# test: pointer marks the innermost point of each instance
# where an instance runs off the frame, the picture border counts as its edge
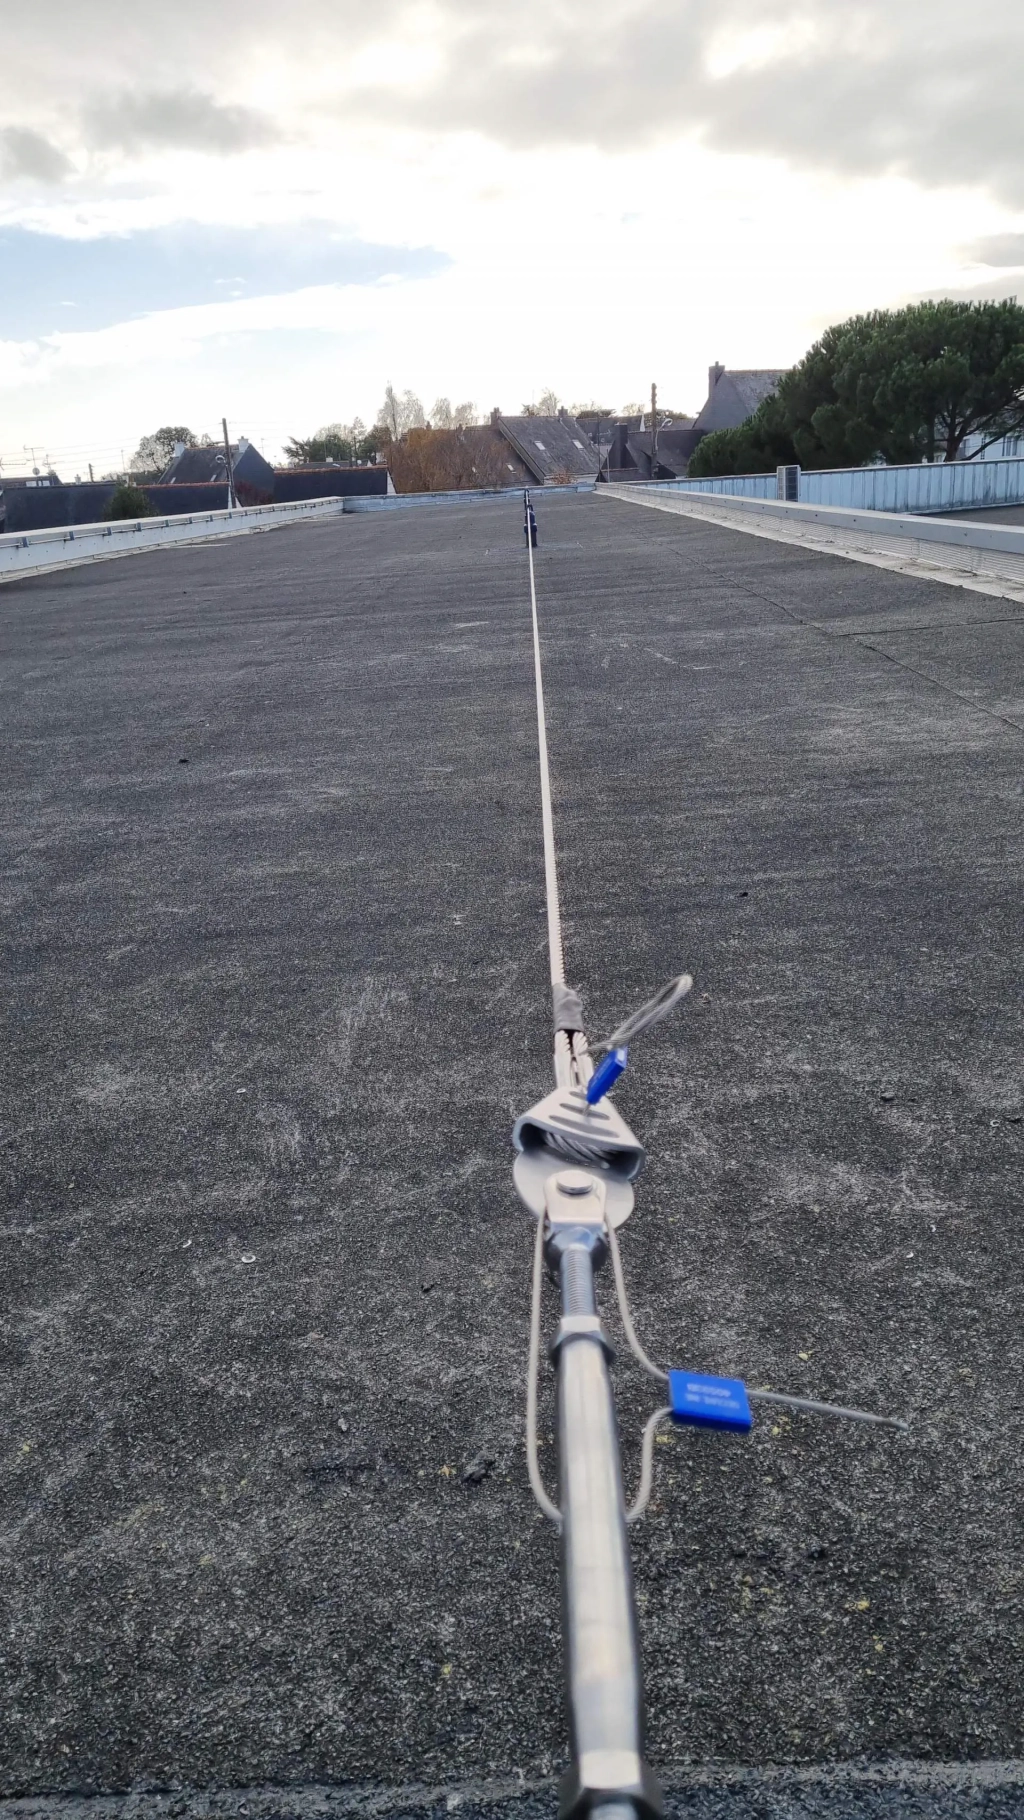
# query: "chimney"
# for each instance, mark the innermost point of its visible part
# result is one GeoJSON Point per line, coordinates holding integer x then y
{"type": "Point", "coordinates": [495, 414]}
{"type": "Point", "coordinates": [243, 444]}
{"type": "Point", "coordinates": [714, 375]}
{"type": "Point", "coordinates": [179, 449]}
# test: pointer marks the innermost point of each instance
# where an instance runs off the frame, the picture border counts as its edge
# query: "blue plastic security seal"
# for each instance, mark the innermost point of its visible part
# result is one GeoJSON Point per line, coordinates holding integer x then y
{"type": "Point", "coordinates": [709, 1402]}
{"type": "Point", "coordinates": [606, 1075]}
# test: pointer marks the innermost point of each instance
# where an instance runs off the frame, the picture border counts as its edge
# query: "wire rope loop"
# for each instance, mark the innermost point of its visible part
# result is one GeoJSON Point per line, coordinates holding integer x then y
{"type": "Point", "coordinates": [650, 1013]}
{"type": "Point", "coordinates": [635, 1347]}
{"type": "Point", "coordinates": [643, 1496]}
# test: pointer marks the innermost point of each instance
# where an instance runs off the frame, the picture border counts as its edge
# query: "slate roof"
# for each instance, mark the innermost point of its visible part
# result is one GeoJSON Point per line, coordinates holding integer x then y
{"type": "Point", "coordinates": [85, 502]}
{"type": "Point", "coordinates": [734, 394]}
{"type": "Point", "coordinates": [550, 445]}
{"type": "Point", "coordinates": [481, 436]}
{"type": "Point", "coordinates": [197, 465]}
{"type": "Point", "coordinates": [605, 425]}
{"type": "Point", "coordinates": [628, 455]}
{"type": "Point", "coordinates": [755, 384]}
{"type": "Point", "coordinates": [330, 480]}
{"type": "Point", "coordinates": [676, 443]}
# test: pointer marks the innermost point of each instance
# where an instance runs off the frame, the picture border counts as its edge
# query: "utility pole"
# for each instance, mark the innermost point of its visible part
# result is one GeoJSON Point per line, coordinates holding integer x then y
{"type": "Point", "coordinates": [654, 431]}
{"type": "Point", "coordinates": [232, 501]}
{"type": "Point", "coordinates": [90, 471]}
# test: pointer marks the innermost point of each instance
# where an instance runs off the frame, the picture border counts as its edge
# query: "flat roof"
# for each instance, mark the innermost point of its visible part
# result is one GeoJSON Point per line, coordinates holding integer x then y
{"type": "Point", "coordinates": [276, 979]}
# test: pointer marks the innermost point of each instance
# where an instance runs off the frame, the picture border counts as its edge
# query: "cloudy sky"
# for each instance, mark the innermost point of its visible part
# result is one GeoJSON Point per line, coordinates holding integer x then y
{"type": "Point", "coordinates": [271, 209]}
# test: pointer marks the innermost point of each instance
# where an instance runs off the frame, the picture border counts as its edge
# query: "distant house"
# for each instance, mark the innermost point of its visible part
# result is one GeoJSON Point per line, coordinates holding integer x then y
{"type": "Point", "coordinates": [18, 500]}
{"type": "Point", "coordinates": [599, 425]}
{"type": "Point", "coordinates": [16, 508]}
{"type": "Point", "coordinates": [331, 480]}
{"type": "Point", "coordinates": [49, 479]}
{"type": "Point", "coordinates": [551, 449]}
{"type": "Point", "coordinates": [254, 477]}
{"type": "Point", "coordinates": [629, 454]}
{"type": "Point", "coordinates": [734, 394]}
{"type": "Point", "coordinates": [31, 508]}
{"type": "Point", "coordinates": [485, 443]}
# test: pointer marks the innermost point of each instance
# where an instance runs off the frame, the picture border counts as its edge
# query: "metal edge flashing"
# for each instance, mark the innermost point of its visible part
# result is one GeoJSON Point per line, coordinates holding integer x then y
{"type": "Point", "coordinates": [457, 497]}
{"type": "Point", "coordinates": [28, 553]}
{"type": "Point", "coordinates": [923, 527]}
{"type": "Point", "coordinates": [73, 546]}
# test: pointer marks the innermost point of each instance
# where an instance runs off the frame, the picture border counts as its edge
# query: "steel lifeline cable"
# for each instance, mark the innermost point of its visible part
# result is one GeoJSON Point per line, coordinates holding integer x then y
{"type": "Point", "coordinates": [576, 1162]}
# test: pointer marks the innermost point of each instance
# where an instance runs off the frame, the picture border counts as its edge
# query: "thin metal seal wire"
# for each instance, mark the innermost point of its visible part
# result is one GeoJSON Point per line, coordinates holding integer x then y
{"type": "Point", "coordinates": [650, 1013]}
{"type": "Point", "coordinates": [643, 1496]}
{"type": "Point", "coordinates": [808, 1404]}
{"type": "Point", "coordinates": [532, 1375]}
{"type": "Point", "coordinates": [814, 1408]}
{"type": "Point", "coordinates": [625, 1316]}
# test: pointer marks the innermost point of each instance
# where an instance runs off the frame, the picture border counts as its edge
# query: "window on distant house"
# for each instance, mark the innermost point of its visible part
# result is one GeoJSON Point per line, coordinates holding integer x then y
{"type": "Point", "coordinates": [540, 445]}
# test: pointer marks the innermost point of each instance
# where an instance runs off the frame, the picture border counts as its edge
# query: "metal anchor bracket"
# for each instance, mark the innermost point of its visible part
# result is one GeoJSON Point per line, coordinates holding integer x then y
{"type": "Point", "coordinates": [563, 1132]}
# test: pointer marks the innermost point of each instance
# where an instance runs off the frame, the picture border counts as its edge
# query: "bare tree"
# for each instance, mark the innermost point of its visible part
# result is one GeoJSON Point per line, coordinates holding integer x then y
{"type": "Point", "coordinates": [399, 414]}
{"type": "Point", "coordinates": [155, 452]}
{"type": "Point", "coordinates": [437, 461]}
{"type": "Point", "coordinates": [448, 416]}
{"type": "Point", "coordinates": [387, 416]}
{"type": "Point", "coordinates": [547, 405]}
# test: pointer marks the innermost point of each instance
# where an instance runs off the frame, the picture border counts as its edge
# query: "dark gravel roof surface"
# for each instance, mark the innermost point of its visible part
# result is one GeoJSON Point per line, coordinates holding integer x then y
{"type": "Point", "coordinates": [271, 1012]}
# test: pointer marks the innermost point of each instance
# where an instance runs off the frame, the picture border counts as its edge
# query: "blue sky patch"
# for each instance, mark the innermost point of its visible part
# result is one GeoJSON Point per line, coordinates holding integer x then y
{"type": "Point", "coordinates": [48, 282]}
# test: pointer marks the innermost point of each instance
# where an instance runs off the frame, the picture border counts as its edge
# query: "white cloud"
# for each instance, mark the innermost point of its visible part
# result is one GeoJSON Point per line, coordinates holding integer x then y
{"type": "Point", "coordinates": [746, 175]}
{"type": "Point", "coordinates": [27, 154]}
{"type": "Point", "coordinates": [998, 250]}
{"type": "Point", "coordinates": [929, 88]}
{"type": "Point", "coordinates": [183, 119]}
